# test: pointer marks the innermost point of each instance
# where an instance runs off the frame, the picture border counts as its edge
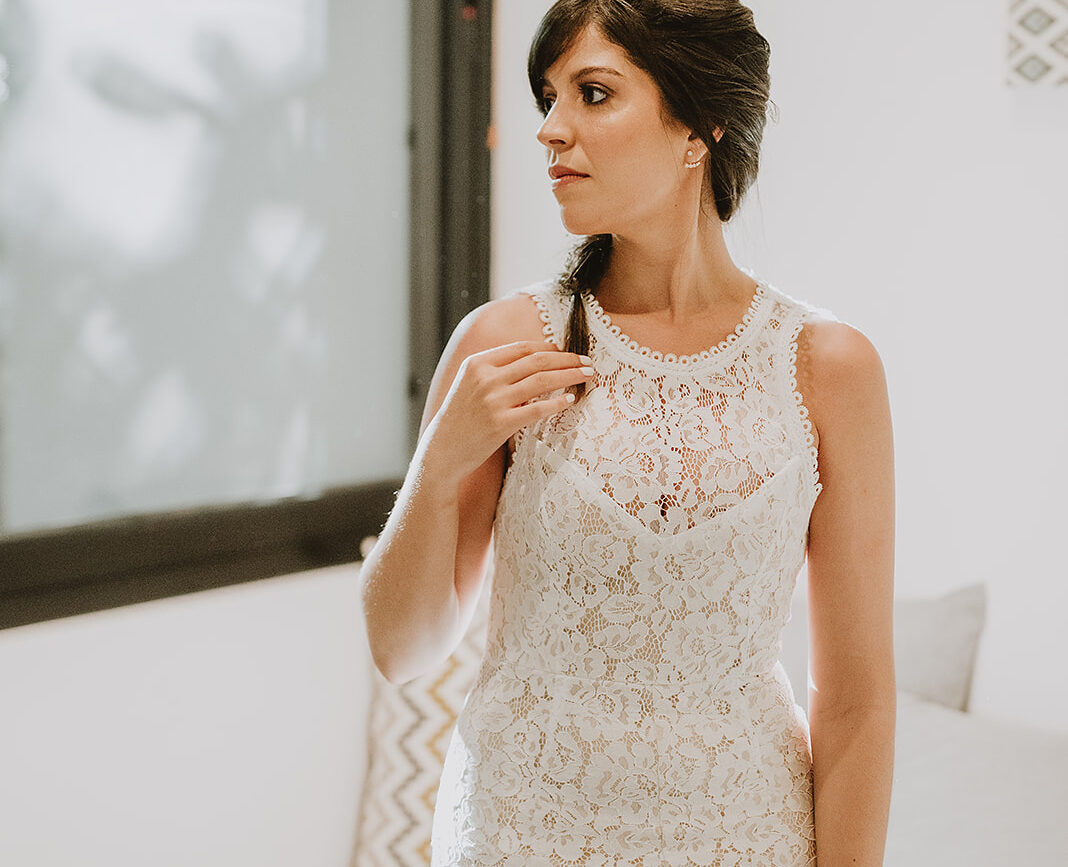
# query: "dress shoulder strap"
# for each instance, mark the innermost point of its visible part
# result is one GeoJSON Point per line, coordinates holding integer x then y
{"type": "Point", "coordinates": [790, 316]}
{"type": "Point", "coordinates": [553, 308]}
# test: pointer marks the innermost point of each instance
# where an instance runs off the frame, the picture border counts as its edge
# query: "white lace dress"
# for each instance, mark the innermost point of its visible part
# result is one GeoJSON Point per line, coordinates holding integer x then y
{"type": "Point", "coordinates": [631, 708]}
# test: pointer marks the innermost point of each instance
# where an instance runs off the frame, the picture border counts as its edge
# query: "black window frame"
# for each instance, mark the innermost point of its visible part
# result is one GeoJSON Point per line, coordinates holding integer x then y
{"type": "Point", "coordinates": [54, 573]}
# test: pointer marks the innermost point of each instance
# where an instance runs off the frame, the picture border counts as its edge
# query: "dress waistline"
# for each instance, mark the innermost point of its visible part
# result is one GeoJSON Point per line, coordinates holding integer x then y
{"type": "Point", "coordinates": [667, 689]}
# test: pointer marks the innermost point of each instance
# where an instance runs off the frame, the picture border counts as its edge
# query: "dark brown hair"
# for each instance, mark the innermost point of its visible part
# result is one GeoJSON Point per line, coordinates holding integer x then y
{"type": "Point", "coordinates": [711, 66]}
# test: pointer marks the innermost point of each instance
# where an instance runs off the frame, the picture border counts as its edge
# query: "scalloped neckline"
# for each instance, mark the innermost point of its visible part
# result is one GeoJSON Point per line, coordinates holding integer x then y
{"type": "Point", "coordinates": [593, 307]}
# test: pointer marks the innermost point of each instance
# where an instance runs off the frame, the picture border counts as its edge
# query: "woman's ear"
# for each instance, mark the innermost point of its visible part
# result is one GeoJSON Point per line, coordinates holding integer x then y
{"type": "Point", "coordinates": [695, 147]}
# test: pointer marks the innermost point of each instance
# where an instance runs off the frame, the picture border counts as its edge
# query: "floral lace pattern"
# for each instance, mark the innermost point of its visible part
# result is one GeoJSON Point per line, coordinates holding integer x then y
{"type": "Point", "coordinates": [631, 708]}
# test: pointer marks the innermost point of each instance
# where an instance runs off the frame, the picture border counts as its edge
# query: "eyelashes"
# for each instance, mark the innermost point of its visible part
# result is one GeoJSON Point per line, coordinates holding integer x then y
{"type": "Point", "coordinates": [592, 94]}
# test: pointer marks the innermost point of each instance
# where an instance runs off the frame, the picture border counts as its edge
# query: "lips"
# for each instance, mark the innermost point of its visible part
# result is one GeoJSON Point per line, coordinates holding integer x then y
{"type": "Point", "coordinates": [567, 181]}
{"type": "Point", "coordinates": [558, 171]}
{"type": "Point", "coordinates": [565, 176]}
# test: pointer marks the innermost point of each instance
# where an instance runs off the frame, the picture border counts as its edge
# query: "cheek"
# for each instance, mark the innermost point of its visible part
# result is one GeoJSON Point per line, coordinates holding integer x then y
{"type": "Point", "coordinates": [644, 173]}
{"type": "Point", "coordinates": [636, 158]}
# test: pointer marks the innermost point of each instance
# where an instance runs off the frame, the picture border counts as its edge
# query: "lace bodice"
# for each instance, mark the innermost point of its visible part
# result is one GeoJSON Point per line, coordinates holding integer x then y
{"type": "Point", "coordinates": [631, 707]}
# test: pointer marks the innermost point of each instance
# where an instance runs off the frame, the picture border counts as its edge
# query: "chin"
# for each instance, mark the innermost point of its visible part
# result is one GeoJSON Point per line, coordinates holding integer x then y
{"type": "Point", "coordinates": [581, 224]}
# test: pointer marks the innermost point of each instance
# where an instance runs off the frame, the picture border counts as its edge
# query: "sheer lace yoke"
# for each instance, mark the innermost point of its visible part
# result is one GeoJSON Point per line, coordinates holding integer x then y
{"type": "Point", "coordinates": [555, 462]}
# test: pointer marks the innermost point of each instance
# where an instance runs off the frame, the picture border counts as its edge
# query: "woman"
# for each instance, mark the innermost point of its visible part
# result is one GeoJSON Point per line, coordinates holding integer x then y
{"type": "Point", "coordinates": [654, 443]}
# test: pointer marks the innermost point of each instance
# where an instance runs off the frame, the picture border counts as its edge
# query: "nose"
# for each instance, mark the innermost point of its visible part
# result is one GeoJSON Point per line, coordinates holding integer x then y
{"type": "Point", "coordinates": [555, 131]}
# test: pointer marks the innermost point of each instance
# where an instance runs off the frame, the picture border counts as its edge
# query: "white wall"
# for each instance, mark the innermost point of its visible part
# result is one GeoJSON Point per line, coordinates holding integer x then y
{"type": "Point", "coordinates": [222, 729]}
{"type": "Point", "coordinates": [909, 190]}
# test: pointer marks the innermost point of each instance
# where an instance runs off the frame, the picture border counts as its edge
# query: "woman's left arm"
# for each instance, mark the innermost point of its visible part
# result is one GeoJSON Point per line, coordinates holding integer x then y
{"type": "Point", "coordinates": [853, 697]}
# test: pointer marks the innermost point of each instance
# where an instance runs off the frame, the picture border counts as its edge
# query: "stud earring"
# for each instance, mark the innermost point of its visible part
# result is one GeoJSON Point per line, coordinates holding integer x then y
{"type": "Point", "coordinates": [693, 165]}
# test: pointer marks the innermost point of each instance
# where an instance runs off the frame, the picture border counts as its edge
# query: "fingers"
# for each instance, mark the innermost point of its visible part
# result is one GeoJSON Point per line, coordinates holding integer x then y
{"type": "Point", "coordinates": [509, 352]}
{"type": "Point", "coordinates": [533, 369]}
{"type": "Point", "coordinates": [545, 381]}
{"type": "Point", "coordinates": [541, 361]}
{"type": "Point", "coordinates": [512, 376]}
{"type": "Point", "coordinates": [540, 409]}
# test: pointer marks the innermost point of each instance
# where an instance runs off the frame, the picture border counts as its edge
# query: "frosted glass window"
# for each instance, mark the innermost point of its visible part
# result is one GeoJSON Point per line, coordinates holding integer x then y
{"type": "Point", "coordinates": [203, 253]}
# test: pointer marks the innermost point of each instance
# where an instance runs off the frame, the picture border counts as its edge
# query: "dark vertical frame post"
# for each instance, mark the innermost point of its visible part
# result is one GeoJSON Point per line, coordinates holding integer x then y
{"type": "Point", "coordinates": [450, 208]}
{"type": "Point", "coordinates": [425, 213]}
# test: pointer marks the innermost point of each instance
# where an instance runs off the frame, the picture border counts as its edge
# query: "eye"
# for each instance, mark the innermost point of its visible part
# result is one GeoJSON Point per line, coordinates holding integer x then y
{"type": "Point", "coordinates": [589, 89]}
{"type": "Point", "coordinates": [592, 94]}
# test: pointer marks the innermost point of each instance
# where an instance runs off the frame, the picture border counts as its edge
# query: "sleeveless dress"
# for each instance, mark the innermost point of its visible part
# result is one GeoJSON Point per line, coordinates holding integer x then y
{"type": "Point", "coordinates": [630, 707]}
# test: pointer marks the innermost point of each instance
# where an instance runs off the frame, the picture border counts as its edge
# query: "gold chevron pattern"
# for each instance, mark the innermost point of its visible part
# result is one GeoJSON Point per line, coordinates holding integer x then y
{"type": "Point", "coordinates": [407, 734]}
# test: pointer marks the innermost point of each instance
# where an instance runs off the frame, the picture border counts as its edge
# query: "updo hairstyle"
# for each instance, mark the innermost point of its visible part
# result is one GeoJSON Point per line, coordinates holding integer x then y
{"type": "Point", "coordinates": [711, 65]}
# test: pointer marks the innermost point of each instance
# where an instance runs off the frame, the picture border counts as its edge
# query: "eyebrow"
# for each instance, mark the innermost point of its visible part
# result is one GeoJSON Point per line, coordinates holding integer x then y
{"type": "Point", "coordinates": [588, 70]}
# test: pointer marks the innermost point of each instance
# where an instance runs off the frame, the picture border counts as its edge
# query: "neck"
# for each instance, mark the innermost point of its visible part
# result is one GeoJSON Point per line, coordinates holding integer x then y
{"type": "Point", "coordinates": [677, 270]}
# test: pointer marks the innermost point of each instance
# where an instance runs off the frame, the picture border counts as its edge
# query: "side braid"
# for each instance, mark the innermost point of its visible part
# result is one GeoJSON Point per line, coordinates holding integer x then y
{"type": "Point", "coordinates": [585, 267]}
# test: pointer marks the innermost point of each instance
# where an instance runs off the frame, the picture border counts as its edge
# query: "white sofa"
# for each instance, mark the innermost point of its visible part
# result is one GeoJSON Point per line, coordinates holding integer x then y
{"type": "Point", "coordinates": [969, 790]}
{"type": "Point", "coordinates": [974, 791]}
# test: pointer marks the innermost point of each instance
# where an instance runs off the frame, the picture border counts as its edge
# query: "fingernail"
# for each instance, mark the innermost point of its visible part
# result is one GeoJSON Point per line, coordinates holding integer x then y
{"type": "Point", "coordinates": [585, 359]}
{"type": "Point", "coordinates": [587, 370]}
{"type": "Point", "coordinates": [569, 397]}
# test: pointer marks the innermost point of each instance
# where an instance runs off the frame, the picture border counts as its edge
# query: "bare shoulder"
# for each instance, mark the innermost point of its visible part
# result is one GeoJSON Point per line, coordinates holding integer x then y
{"type": "Point", "coordinates": [499, 321]}
{"type": "Point", "coordinates": [839, 372]}
{"type": "Point", "coordinates": [837, 353]}
{"type": "Point", "coordinates": [496, 322]}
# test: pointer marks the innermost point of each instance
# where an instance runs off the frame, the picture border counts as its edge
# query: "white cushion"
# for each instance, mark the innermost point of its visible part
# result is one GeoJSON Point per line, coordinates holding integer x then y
{"type": "Point", "coordinates": [935, 644]}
